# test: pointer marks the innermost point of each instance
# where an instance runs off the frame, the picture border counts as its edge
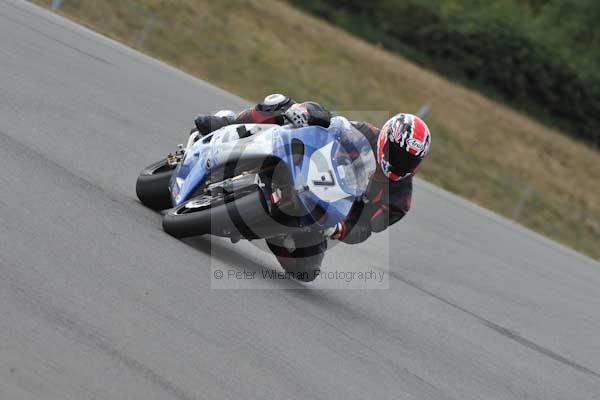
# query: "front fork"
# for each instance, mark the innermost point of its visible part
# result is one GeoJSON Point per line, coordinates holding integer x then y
{"type": "Point", "coordinates": [175, 158]}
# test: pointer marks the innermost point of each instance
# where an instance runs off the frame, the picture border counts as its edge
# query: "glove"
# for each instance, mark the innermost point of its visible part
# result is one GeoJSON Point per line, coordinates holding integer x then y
{"type": "Point", "coordinates": [204, 123]}
{"type": "Point", "coordinates": [336, 232]}
{"type": "Point", "coordinates": [209, 123]}
{"type": "Point", "coordinates": [298, 115]}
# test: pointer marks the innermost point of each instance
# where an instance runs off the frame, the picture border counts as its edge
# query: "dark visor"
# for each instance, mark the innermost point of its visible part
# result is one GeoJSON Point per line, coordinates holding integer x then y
{"type": "Point", "coordinates": [401, 162]}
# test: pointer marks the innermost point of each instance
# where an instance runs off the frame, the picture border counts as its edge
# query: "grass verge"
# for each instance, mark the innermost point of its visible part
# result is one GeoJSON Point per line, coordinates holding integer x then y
{"type": "Point", "coordinates": [481, 150]}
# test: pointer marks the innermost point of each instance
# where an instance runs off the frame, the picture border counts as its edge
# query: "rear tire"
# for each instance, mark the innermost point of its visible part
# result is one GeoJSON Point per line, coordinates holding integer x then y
{"type": "Point", "coordinates": [152, 186]}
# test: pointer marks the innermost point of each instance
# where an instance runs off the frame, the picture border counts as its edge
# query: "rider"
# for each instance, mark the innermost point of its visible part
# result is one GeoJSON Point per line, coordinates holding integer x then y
{"type": "Point", "coordinates": [400, 145]}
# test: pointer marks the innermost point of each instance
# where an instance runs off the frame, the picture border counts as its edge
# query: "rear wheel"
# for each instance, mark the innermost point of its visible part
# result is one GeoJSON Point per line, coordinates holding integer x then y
{"type": "Point", "coordinates": [152, 186]}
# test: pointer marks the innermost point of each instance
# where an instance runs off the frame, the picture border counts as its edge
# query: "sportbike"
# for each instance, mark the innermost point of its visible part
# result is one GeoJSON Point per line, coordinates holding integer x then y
{"type": "Point", "coordinates": [254, 181]}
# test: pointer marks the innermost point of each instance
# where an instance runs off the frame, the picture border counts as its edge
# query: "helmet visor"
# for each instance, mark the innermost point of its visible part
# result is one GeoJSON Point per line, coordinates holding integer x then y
{"type": "Point", "coordinates": [401, 162]}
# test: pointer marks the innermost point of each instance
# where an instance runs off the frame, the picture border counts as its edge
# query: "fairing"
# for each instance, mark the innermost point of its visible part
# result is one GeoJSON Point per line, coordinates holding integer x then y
{"type": "Point", "coordinates": [332, 172]}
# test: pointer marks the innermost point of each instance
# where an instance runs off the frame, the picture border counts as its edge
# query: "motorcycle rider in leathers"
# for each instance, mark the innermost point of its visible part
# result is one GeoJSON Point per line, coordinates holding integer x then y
{"type": "Point", "coordinates": [400, 145]}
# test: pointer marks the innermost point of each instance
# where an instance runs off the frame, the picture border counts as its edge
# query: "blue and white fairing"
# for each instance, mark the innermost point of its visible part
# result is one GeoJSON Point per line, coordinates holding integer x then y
{"type": "Point", "coordinates": [212, 151]}
{"type": "Point", "coordinates": [333, 171]}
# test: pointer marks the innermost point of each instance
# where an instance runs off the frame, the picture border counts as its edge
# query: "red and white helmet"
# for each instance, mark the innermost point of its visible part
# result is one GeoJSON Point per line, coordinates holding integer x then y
{"type": "Point", "coordinates": [403, 143]}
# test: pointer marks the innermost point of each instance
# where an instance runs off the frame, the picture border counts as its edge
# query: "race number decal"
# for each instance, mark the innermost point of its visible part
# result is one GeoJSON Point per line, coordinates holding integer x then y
{"type": "Point", "coordinates": [321, 179]}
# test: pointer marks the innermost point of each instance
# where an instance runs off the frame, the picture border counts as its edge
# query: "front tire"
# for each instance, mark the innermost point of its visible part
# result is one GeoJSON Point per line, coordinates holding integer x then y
{"type": "Point", "coordinates": [192, 218]}
{"type": "Point", "coordinates": [221, 214]}
{"type": "Point", "coordinates": [152, 186]}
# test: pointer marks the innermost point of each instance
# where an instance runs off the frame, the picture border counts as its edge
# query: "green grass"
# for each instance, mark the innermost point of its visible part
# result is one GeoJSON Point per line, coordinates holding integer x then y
{"type": "Point", "coordinates": [481, 150]}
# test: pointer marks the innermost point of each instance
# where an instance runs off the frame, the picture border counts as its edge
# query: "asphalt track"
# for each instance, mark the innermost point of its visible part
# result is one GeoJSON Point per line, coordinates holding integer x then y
{"type": "Point", "coordinates": [96, 302]}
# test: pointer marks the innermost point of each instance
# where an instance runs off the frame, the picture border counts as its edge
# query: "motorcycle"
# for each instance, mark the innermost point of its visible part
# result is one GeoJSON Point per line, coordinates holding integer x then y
{"type": "Point", "coordinates": [259, 181]}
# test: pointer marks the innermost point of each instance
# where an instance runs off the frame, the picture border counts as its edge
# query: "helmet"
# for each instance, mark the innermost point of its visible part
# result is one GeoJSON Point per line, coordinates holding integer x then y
{"type": "Point", "coordinates": [403, 142]}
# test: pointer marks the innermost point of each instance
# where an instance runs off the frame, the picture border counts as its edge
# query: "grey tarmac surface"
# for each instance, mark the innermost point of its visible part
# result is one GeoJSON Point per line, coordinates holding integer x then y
{"type": "Point", "coordinates": [96, 302]}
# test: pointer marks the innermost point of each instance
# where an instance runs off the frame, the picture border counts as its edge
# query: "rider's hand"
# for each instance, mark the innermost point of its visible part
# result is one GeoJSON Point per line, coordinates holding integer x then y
{"type": "Point", "coordinates": [336, 232]}
{"type": "Point", "coordinates": [297, 115]}
{"type": "Point", "coordinates": [209, 123]}
{"type": "Point", "coordinates": [203, 124]}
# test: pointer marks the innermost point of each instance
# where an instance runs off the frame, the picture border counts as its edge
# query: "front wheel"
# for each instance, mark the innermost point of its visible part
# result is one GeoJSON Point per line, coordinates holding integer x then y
{"type": "Point", "coordinates": [239, 214]}
{"type": "Point", "coordinates": [191, 218]}
{"type": "Point", "coordinates": [152, 186]}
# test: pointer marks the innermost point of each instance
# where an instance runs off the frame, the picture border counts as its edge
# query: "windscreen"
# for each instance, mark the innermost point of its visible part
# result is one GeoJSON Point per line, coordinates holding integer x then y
{"type": "Point", "coordinates": [355, 161]}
